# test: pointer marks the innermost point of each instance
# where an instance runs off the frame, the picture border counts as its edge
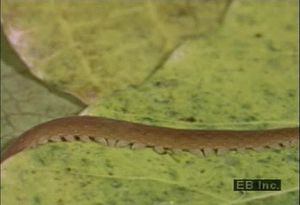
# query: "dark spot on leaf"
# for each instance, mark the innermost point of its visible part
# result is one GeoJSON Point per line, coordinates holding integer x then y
{"type": "Point", "coordinates": [60, 202]}
{"type": "Point", "coordinates": [116, 184]}
{"type": "Point", "coordinates": [289, 27]}
{"type": "Point", "coordinates": [180, 189]}
{"type": "Point", "coordinates": [84, 184]}
{"type": "Point", "coordinates": [268, 93]}
{"type": "Point", "coordinates": [166, 83]}
{"type": "Point", "coordinates": [41, 161]}
{"type": "Point", "coordinates": [148, 119]}
{"type": "Point", "coordinates": [250, 118]}
{"type": "Point", "coordinates": [108, 164]}
{"type": "Point", "coordinates": [232, 117]}
{"type": "Point", "coordinates": [189, 162]}
{"type": "Point", "coordinates": [84, 161]}
{"type": "Point", "coordinates": [188, 119]}
{"type": "Point", "coordinates": [36, 200]}
{"type": "Point", "coordinates": [123, 109]}
{"type": "Point", "coordinates": [258, 35]}
{"type": "Point", "coordinates": [246, 106]}
{"type": "Point", "coordinates": [270, 46]}
{"type": "Point", "coordinates": [291, 93]}
{"type": "Point", "coordinates": [172, 113]}
{"type": "Point", "coordinates": [158, 83]}
{"type": "Point", "coordinates": [173, 174]}
{"type": "Point", "coordinates": [292, 157]}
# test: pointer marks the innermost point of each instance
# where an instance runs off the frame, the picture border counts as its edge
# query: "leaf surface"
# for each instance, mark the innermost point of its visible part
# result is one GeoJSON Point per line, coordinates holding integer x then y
{"type": "Point", "coordinates": [242, 77]}
{"type": "Point", "coordinates": [94, 48]}
{"type": "Point", "coordinates": [88, 173]}
{"type": "Point", "coordinates": [245, 76]}
{"type": "Point", "coordinates": [26, 102]}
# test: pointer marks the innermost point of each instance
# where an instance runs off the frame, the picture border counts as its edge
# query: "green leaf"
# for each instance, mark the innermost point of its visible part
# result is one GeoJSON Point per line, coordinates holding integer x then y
{"type": "Point", "coordinates": [245, 76]}
{"type": "Point", "coordinates": [88, 173]}
{"type": "Point", "coordinates": [254, 37]}
{"type": "Point", "coordinates": [93, 48]}
{"type": "Point", "coordinates": [26, 102]}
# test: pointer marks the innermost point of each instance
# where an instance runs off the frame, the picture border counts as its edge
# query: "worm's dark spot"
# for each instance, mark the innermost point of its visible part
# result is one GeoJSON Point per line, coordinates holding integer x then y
{"type": "Point", "coordinates": [92, 138]}
{"type": "Point", "coordinates": [77, 138]}
{"type": "Point", "coordinates": [63, 139]}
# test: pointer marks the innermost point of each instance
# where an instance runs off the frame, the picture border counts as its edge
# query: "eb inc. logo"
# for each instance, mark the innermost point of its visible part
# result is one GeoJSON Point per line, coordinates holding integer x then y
{"type": "Point", "coordinates": [256, 184]}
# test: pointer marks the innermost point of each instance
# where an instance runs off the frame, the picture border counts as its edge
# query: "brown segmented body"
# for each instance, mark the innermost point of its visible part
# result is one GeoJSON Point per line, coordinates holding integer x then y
{"type": "Point", "coordinates": [121, 133]}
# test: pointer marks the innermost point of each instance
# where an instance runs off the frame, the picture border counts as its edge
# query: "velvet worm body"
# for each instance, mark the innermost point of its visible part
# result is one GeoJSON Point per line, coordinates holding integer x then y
{"type": "Point", "coordinates": [122, 133]}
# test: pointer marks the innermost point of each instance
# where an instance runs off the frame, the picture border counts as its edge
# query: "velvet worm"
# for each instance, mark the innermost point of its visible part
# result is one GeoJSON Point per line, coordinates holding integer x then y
{"type": "Point", "coordinates": [121, 133]}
